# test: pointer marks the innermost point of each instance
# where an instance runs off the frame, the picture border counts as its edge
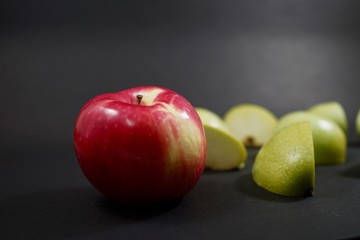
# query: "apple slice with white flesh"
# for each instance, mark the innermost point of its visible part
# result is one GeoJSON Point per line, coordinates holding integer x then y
{"type": "Point", "coordinates": [210, 118]}
{"type": "Point", "coordinates": [224, 151]}
{"type": "Point", "coordinates": [358, 123]}
{"type": "Point", "coordinates": [285, 165]}
{"type": "Point", "coordinates": [333, 111]}
{"type": "Point", "coordinates": [250, 123]}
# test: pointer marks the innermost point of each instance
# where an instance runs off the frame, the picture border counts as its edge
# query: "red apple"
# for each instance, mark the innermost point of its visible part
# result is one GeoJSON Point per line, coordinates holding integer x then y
{"type": "Point", "coordinates": [140, 146]}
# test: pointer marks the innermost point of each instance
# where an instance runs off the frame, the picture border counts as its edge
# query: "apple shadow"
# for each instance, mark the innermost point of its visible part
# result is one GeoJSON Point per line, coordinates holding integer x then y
{"type": "Point", "coordinates": [354, 144]}
{"type": "Point", "coordinates": [134, 213]}
{"type": "Point", "coordinates": [67, 213]}
{"type": "Point", "coordinates": [246, 185]}
{"type": "Point", "coordinates": [209, 172]}
{"type": "Point", "coordinates": [352, 171]}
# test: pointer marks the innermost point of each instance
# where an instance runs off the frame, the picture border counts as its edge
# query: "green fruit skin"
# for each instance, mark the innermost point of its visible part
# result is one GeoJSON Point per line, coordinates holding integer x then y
{"type": "Point", "coordinates": [210, 118]}
{"type": "Point", "coordinates": [229, 157]}
{"type": "Point", "coordinates": [358, 123]}
{"type": "Point", "coordinates": [333, 111]}
{"type": "Point", "coordinates": [285, 164]}
{"type": "Point", "coordinates": [329, 139]}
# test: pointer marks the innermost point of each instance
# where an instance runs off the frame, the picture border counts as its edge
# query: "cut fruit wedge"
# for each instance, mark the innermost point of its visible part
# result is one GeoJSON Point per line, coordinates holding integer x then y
{"type": "Point", "coordinates": [333, 111]}
{"type": "Point", "coordinates": [285, 165]}
{"type": "Point", "coordinates": [210, 118]}
{"type": "Point", "coordinates": [329, 140]}
{"type": "Point", "coordinates": [358, 123]}
{"type": "Point", "coordinates": [224, 151]}
{"type": "Point", "coordinates": [250, 123]}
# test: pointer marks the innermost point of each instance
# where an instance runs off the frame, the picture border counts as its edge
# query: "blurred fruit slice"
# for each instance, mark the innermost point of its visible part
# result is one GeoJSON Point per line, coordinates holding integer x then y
{"type": "Point", "coordinates": [332, 110]}
{"type": "Point", "coordinates": [250, 123]}
{"type": "Point", "coordinates": [224, 151]}
{"type": "Point", "coordinates": [330, 142]}
{"type": "Point", "coordinates": [210, 118]}
{"type": "Point", "coordinates": [285, 164]}
{"type": "Point", "coordinates": [358, 123]}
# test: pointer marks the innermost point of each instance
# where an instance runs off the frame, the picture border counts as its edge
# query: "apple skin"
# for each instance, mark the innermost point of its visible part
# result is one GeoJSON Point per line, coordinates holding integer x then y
{"type": "Point", "coordinates": [329, 139]}
{"type": "Point", "coordinates": [333, 111]}
{"type": "Point", "coordinates": [224, 151]}
{"type": "Point", "coordinates": [144, 151]}
{"type": "Point", "coordinates": [210, 118]}
{"type": "Point", "coordinates": [357, 124]}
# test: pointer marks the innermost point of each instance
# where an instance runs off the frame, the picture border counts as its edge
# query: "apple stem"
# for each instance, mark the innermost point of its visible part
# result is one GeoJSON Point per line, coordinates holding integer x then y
{"type": "Point", "coordinates": [139, 98]}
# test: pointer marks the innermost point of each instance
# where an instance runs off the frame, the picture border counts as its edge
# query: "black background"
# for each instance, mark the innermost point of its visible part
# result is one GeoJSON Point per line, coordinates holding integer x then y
{"type": "Point", "coordinates": [56, 55]}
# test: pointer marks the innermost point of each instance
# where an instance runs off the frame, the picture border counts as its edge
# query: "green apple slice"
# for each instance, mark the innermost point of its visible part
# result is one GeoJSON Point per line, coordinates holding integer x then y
{"type": "Point", "coordinates": [250, 123]}
{"type": "Point", "coordinates": [224, 151]}
{"type": "Point", "coordinates": [285, 164]}
{"type": "Point", "coordinates": [210, 118]}
{"type": "Point", "coordinates": [358, 123]}
{"type": "Point", "coordinates": [329, 139]}
{"type": "Point", "coordinates": [332, 110]}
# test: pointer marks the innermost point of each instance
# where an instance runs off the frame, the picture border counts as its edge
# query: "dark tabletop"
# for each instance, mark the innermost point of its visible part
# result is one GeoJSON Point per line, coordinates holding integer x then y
{"type": "Point", "coordinates": [45, 196]}
{"type": "Point", "coordinates": [283, 55]}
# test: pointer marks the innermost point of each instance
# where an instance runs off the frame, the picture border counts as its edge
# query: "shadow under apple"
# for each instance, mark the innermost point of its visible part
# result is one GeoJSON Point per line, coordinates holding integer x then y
{"type": "Point", "coordinates": [134, 213]}
{"type": "Point", "coordinates": [67, 213]}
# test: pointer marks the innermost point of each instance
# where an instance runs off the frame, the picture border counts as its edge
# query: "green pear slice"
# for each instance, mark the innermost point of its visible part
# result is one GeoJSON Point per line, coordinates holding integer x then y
{"type": "Point", "coordinates": [250, 123]}
{"type": "Point", "coordinates": [358, 123]}
{"type": "Point", "coordinates": [285, 164]}
{"type": "Point", "coordinates": [224, 151]}
{"type": "Point", "coordinates": [210, 118]}
{"type": "Point", "coordinates": [329, 140]}
{"type": "Point", "coordinates": [332, 110]}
